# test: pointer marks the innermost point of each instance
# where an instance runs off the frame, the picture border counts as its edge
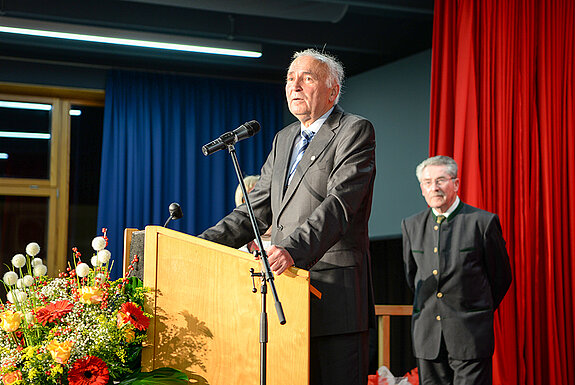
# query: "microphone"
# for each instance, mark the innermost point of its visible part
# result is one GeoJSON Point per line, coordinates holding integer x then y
{"type": "Point", "coordinates": [175, 212]}
{"type": "Point", "coordinates": [232, 137]}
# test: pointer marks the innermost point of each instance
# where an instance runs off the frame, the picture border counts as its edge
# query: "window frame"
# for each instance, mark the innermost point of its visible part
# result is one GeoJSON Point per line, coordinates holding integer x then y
{"type": "Point", "coordinates": [56, 188]}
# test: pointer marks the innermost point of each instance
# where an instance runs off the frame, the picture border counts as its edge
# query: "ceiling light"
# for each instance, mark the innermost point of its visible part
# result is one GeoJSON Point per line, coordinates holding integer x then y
{"type": "Point", "coordinates": [3, 155]}
{"type": "Point", "coordinates": [26, 106]}
{"type": "Point", "coordinates": [127, 38]}
{"type": "Point", "coordinates": [34, 106]}
{"type": "Point", "coordinates": [23, 135]}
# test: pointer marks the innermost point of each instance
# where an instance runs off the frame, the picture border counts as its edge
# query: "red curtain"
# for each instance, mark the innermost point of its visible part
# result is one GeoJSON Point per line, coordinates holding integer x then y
{"type": "Point", "coordinates": [502, 104]}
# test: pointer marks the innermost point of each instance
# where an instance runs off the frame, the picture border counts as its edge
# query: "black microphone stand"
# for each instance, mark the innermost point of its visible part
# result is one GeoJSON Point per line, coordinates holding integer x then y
{"type": "Point", "coordinates": [266, 275]}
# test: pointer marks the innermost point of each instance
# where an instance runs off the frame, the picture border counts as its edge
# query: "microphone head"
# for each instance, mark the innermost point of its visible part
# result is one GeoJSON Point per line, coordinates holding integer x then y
{"type": "Point", "coordinates": [247, 129]}
{"type": "Point", "coordinates": [232, 137]}
{"type": "Point", "coordinates": [175, 211]}
{"type": "Point", "coordinates": [253, 127]}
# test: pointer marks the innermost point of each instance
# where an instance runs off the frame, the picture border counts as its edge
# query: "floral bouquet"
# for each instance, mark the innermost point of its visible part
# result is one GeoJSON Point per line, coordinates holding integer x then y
{"type": "Point", "coordinates": [385, 377]}
{"type": "Point", "coordinates": [78, 329]}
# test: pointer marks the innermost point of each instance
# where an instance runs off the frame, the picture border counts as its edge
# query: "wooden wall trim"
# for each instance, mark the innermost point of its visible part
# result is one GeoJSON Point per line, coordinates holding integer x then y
{"type": "Point", "coordinates": [86, 96]}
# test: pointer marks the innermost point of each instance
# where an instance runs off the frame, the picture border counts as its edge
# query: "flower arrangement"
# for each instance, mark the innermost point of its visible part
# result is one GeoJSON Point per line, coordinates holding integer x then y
{"type": "Point", "coordinates": [77, 329]}
{"type": "Point", "coordinates": [385, 377]}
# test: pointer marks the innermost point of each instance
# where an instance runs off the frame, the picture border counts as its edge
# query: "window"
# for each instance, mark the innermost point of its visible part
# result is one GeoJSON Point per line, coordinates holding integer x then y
{"type": "Point", "coordinates": [25, 139]}
{"type": "Point", "coordinates": [37, 128]}
{"type": "Point", "coordinates": [85, 160]}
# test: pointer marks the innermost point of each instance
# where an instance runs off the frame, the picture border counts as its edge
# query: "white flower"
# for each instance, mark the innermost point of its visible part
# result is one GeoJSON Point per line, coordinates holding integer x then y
{"type": "Point", "coordinates": [21, 296]}
{"type": "Point", "coordinates": [16, 296]}
{"type": "Point", "coordinates": [28, 280]}
{"type": "Point", "coordinates": [56, 288]}
{"type": "Point", "coordinates": [104, 256]}
{"type": "Point", "coordinates": [18, 260]}
{"type": "Point", "coordinates": [98, 243]}
{"type": "Point", "coordinates": [40, 270]}
{"type": "Point", "coordinates": [11, 295]}
{"type": "Point", "coordinates": [100, 277]}
{"type": "Point", "coordinates": [95, 261]}
{"type": "Point", "coordinates": [29, 317]}
{"type": "Point", "coordinates": [10, 278]}
{"type": "Point", "coordinates": [82, 270]}
{"type": "Point", "coordinates": [32, 249]}
{"type": "Point", "coordinates": [36, 262]}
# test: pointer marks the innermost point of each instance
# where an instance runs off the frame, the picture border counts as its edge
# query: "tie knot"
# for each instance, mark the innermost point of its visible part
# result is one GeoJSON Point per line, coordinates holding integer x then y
{"type": "Point", "coordinates": [440, 218]}
{"type": "Point", "coordinates": [307, 135]}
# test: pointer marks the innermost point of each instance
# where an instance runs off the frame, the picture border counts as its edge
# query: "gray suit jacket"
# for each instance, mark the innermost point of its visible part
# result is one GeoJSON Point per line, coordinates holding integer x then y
{"type": "Point", "coordinates": [321, 219]}
{"type": "Point", "coordinates": [459, 271]}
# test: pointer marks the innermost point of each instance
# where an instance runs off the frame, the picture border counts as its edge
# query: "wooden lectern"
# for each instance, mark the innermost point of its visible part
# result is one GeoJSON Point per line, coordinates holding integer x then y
{"type": "Point", "coordinates": [206, 317]}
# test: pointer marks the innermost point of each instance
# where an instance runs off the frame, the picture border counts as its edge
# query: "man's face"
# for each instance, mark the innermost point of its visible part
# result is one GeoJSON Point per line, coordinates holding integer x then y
{"type": "Point", "coordinates": [438, 187]}
{"type": "Point", "coordinates": [307, 93]}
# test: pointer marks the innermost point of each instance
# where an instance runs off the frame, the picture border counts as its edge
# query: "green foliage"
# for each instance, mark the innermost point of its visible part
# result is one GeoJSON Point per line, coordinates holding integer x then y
{"type": "Point", "coordinates": [161, 376]}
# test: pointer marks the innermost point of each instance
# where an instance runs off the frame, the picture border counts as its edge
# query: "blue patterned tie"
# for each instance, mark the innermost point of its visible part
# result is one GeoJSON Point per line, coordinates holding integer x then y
{"type": "Point", "coordinates": [306, 137]}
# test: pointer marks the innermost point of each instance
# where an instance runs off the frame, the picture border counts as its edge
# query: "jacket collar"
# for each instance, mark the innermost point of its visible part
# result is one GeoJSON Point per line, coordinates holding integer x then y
{"type": "Point", "coordinates": [316, 147]}
{"type": "Point", "coordinates": [451, 215]}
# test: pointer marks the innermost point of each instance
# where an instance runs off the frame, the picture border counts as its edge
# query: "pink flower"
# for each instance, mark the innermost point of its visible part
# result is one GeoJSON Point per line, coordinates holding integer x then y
{"type": "Point", "coordinates": [11, 377]}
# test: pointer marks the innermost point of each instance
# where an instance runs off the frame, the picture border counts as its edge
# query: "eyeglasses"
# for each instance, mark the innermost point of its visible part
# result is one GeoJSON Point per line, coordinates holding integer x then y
{"type": "Point", "coordinates": [440, 182]}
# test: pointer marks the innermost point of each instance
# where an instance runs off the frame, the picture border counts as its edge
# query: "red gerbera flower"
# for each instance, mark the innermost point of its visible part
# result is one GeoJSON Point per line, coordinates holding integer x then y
{"type": "Point", "coordinates": [412, 376]}
{"type": "Point", "coordinates": [130, 312]}
{"type": "Point", "coordinates": [89, 371]}
{"type": "Point", "coordinates": [53, 311]}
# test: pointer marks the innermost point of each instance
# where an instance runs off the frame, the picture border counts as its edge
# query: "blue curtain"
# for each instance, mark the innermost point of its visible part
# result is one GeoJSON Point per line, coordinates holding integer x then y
{"type": "Point", "coordinates": [154, 128]}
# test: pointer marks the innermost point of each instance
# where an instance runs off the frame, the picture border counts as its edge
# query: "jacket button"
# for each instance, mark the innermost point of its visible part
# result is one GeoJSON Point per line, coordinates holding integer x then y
{"type": "Point", "coordinates": [439, 295]}
{"type": "Point", "coordinates": [436, 227]}
{"type": "Point", "coordinates": [438, 318]}
{"type": "Point", "coordinates": [435, 249]}
{"type": "Point", "coordinates": [435, 272]}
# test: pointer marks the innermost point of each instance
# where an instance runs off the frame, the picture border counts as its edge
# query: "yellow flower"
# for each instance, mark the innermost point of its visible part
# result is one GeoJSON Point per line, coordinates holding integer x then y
{"type": "Point", "coordinates": [130, 335]}
{"type": "Point", "coordinates": [29, 352]}
{"type": "Point", "coordinates": [10, 321]}
{"type": "Point", "coordinates": [90, 295]}
{"type": "Point", "coordinates": [60, 351]}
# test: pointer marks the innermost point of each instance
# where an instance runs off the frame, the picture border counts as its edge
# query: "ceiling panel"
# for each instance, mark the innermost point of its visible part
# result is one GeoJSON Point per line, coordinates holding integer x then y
{"type": "Point", "coordinates": [364, 34]}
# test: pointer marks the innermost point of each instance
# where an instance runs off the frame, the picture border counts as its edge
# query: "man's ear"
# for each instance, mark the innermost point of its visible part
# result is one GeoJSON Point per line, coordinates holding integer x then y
{"type": "Point", "coordinates": [456, 184]}
{"type": "Point", "coordinates": [334, 92]}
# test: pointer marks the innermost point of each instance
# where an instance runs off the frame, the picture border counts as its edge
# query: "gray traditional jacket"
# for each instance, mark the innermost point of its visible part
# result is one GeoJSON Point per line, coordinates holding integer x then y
{"type": "Point", "coordinates": [459, 272]}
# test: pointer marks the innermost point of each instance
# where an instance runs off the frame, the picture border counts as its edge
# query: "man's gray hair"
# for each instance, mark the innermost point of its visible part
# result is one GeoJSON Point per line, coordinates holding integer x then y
{"type": "Point", "coordinates": [439, 160]}
{"type": "Point", "coordinates": [334, 67]}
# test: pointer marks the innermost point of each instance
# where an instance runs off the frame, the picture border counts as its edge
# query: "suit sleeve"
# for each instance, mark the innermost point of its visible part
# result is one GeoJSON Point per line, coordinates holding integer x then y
{"type": "Point", "coordinates": [235, 229]}
{"type": "Point", "coordinates": [497, 261]}
{"type": "Point", "coordinates": [349, 190]}
{"type": "Point", "coordinates": [408, 260]}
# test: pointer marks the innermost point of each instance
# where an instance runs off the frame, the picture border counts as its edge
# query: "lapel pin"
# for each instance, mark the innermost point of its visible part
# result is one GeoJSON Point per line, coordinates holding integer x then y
{"type": "Point", "coordinates": [312, 158]}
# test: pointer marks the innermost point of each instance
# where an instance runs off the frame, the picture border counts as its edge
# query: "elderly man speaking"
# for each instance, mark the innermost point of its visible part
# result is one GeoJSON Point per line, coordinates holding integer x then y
{"type": "Point", "coordinates": [315, 192]}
